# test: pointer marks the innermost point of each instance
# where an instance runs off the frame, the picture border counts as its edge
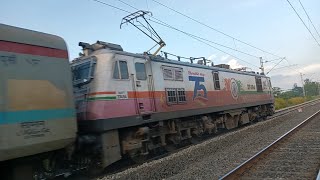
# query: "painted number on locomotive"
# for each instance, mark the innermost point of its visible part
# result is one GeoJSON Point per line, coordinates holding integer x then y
{"type": "Point", "coordinates": [197, 85]}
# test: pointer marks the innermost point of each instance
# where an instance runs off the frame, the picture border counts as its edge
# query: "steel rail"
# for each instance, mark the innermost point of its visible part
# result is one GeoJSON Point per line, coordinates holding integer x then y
{"type": "Point", "coordinates": [277, 114]}
{"type": "Point", "coordinates": [242, 168]}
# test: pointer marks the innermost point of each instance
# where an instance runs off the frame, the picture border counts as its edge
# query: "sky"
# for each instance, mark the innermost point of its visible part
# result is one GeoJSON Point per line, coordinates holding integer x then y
{"type": "Point", "coordinates": [271, 25]}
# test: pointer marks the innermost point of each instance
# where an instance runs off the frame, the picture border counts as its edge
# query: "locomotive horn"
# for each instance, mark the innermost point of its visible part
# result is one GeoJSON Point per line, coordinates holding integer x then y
{"type": "Point", "coordinates": [85, 45]}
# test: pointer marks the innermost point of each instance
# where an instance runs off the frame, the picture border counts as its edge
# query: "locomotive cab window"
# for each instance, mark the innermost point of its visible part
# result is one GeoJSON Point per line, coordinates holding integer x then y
{"type": "Point", "coordinates": [82, 73]}
{"type": "Point", "coordinates": [216, 80]}
{"type": "Point", "coordinates": [259, 84]}
{"type": "Point", "coordinates": [120, 70]}
{"type": "Point", "coordinates": [141, 71]}
{"type": "Point", "coordinates": [270, 85]}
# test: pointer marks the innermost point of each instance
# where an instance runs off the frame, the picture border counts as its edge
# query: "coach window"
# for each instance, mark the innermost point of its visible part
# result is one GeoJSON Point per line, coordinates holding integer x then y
{"type": "Point", "coordinates": [141, 71]}
{"type": "Point", "coordinates": [120, 70]}
{"type": "Point", "coordinates": [216, 80]}
{"type": "Point", "coordinates": [259, 84]}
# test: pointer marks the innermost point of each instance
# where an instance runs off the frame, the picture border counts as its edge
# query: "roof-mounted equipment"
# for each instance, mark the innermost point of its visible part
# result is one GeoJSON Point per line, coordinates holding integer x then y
{"type": "Point", "coordinates": [145, 27]}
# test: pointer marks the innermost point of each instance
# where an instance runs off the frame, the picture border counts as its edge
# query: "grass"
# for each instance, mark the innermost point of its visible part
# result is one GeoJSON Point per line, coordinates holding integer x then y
{"type": "Point", "coordinates": [283, 103]}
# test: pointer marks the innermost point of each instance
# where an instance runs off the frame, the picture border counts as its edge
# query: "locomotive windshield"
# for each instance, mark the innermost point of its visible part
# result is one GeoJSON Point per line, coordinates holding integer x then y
{"type": "Point", "coordinates": [82, 73]}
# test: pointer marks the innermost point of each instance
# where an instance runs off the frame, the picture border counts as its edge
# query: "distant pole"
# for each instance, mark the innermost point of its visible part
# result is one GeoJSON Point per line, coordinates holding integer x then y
{"type": "Point", "coordinates": [261, 65]}
{"type": "Point", "coordinates": [304, 92]}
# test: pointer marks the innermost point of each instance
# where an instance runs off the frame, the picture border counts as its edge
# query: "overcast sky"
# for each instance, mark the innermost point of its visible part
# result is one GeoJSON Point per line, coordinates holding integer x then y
{"type": "Point", "coordinates": [270, 25]}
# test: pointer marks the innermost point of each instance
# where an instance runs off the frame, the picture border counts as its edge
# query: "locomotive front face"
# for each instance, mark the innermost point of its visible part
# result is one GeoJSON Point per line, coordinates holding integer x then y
{"type": "Point", "coordinates": [36, 101]}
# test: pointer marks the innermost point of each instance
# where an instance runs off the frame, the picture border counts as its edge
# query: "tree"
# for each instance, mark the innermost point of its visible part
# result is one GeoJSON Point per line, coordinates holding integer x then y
{"type": "Point", "coordinates": [276, 91]}
{"type": "Point", "coordinates": [294, 92]}
{"type": "Point", "coordinates": [297, 91]}
{"type": "Point", "coordinates": [311, 87]}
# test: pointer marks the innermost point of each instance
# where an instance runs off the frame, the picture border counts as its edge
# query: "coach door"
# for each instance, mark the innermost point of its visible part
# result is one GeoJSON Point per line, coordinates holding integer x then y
{"type": "Point", "coordinates": [143, 86]}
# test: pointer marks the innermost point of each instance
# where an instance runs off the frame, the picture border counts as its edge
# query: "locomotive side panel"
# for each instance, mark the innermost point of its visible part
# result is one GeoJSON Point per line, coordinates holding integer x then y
{"type": "Point", "coordinates": [198, 89]}
{"type": "Point", "coordinates": [168, 90]}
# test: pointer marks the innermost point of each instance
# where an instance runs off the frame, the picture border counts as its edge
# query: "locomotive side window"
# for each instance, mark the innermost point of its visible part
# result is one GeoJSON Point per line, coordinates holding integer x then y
{"type": "Point", "coordinates": [116, 74]}
{"type": "Point", "coordinates": [178, 76]}
{"type": "Point", "coordinates": [270, 85]}
{"type": "Point", "coordinates": [124, 70]}
{"type": "Point", "coordinates": [141, 71]}
{"type": "Point", "coordinates": [171, 95]}
{"type": "Point", "coordinates": [216, 80]}
{"type": "Point", "coordinates": [172, 73]}
{"type": "Point", "coordinates": [176, 95]}
{"type": "Point", "coordinates": [259, 84]}
{"type": "Point", "coordinates": [181, 95]}
{"type": "Point", "coordinates": [120, 70]}
{"type": "Point", "coordinates": [167, 74]}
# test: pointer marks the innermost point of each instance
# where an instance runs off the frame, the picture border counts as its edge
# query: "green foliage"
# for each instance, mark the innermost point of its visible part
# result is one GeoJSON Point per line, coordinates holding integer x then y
{"type": "Point", "coordinates": [295, 95]}
{"type": "Point", "coordinates": [280, 103]}
{"type": "Point", "coordinates": [295, 101]}
{"type": "Point", "coordinates": [283, 103]}
{"type": "Point", "coordinates": [309, 98]}
{"type": "Point", "coordinates": [311, 88]}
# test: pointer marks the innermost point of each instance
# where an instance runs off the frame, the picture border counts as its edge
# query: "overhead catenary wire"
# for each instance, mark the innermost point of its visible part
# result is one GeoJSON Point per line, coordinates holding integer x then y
{"type": "Point", "coordinates": [200, 39]}
{"type": "Point", "coordinates": [165, 24]}
{"type": "Point", "coordinates": [104, 3]}
{"type": "Point", "coordinates": [214, 29]}
{"type": "Point", "coordinates": [120, 9]}
{"type": "Point", "coordinates": [309, 18]}
{"type": "Point", "coordinates": [303, 22]}
{"type": "Point", "coordinates": [193, 35]}
{"type": "Point", "coordinates": [275, 65]}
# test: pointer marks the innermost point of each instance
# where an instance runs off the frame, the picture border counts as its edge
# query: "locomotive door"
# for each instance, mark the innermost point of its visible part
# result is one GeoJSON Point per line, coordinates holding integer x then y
{"type": "Point", "coordinates": [143, 86]}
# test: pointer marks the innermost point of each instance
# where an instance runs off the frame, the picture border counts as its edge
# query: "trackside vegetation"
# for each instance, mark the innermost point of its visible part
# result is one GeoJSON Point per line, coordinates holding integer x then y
{"type": "Point", "coordinates": [294, 96]}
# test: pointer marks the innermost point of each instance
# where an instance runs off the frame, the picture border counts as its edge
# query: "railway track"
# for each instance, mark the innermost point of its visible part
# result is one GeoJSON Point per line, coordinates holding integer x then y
{"type": "Point", "coordinates": [295, 155]}
{"type": "Point", "coordinates": [128, 164]}
{"type": "Point", "coordinates": [278, 113]}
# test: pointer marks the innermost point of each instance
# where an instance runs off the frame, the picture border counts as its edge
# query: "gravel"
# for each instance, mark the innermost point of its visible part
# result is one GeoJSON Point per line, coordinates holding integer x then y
{"type": "Point", "coordinates": [298, 157]}
{"type": "Point", "coordinates": [215, 157]}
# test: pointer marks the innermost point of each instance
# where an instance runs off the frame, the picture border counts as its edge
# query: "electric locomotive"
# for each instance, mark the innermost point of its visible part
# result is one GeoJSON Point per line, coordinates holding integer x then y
{"type": "Point", "coordinates": [138, 103]}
